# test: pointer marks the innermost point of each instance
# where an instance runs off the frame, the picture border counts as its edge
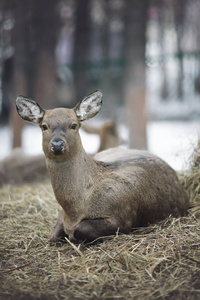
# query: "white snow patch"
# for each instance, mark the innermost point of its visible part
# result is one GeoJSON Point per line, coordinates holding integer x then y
{"type": "Point", "coordinates": [173, 141]}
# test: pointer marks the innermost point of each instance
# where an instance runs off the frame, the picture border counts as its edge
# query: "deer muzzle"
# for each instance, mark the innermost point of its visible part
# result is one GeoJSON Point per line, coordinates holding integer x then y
{"type": "Point", "coordinates": [57, 146]}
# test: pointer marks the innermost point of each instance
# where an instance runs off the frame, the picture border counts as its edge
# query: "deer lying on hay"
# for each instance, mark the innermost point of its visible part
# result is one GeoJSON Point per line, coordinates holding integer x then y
{"type": "Point", "coordinates": [116, 190]}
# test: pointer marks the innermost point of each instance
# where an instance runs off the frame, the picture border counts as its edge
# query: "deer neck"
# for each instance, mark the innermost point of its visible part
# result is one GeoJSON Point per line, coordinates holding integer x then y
{"type": "Point", "coordinates": [72, 181]}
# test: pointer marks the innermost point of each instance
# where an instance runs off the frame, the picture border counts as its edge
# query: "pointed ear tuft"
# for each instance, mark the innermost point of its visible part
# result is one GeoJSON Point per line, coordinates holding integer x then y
{"type": "Point", "coordinates": [29, 110]}
{"type": "Point", "coordinates": [89, 106]}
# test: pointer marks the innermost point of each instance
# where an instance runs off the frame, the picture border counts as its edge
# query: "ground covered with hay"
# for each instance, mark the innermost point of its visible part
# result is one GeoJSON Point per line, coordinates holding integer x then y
{"type": "Point", "coordinates": [161, 261]}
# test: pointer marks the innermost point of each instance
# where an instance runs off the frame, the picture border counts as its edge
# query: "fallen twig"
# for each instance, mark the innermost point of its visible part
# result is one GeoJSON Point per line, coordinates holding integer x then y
{"type": "Point", "coordinates": [16, 268]}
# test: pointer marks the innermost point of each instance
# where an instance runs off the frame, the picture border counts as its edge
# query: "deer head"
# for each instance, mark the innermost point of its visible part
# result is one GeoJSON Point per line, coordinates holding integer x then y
{"type": "Point", "coordinates": [60, 126]}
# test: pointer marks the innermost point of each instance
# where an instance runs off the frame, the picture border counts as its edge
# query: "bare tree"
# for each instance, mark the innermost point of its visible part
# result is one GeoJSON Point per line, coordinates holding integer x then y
{"type": "Point", "coordinates": [179, 8]}
{"type": "Point", "coordinates": [45, 26]}
{"type": "Point", "coordinates": [81, 47]}
{"type": "Point", "coordinates": [21, 35]}
{"type": "Point", "coordinates": [135, 90]}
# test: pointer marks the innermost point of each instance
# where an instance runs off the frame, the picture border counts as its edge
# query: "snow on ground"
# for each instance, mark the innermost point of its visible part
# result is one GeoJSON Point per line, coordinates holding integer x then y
{"type": "Point", "coordinates": [173, 141]}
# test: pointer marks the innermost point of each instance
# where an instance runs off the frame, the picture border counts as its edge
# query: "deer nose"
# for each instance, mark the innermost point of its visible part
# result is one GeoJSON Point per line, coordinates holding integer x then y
{"type": "Point", "coordinates": [57, 146]}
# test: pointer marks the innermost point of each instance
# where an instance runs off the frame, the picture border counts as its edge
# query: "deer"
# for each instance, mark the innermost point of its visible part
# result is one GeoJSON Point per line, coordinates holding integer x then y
{"type": "Point", "coordinates": [114, 191]}
{"type": "Point", "coordinates": [108, 134]}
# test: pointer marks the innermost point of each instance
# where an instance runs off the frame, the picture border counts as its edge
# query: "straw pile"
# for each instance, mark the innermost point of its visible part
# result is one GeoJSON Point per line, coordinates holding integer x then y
{"type": "Point", "coordinates": [161, 261]}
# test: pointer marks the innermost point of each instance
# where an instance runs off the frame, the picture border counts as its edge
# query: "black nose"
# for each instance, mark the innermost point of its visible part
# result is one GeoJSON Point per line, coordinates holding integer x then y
{"type": "Point", "coordinates": [57, 146]}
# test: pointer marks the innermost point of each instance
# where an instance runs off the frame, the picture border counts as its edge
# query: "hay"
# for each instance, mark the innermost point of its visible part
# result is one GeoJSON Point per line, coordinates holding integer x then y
{"type": "Point", "coordinates": [161, 261]}
{"type": "Point", "coordinates": [191, 179]}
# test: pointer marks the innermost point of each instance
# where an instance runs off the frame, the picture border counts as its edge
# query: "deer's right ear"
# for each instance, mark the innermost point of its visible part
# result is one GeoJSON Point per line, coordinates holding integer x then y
{"type": "Point", "coordinates": [29, 110]}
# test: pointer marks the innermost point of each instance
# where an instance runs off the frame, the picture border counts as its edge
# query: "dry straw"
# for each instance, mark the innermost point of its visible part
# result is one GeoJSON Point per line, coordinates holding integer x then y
{"type": "Point", "coordinates": [161, 261]}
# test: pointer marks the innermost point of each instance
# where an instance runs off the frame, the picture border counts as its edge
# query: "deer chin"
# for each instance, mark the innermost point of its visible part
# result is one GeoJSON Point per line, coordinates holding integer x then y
{"type": "Point", "coordinates": [60, 155]}
{"type": "Point", "coordinates": [57, 152]}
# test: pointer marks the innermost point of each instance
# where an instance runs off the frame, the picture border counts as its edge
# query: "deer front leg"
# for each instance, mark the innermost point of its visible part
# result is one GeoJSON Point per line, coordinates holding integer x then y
{"type": "Point", "coordinates": [59, 233]}
{"type": "Point", "coordinates": [90, 230]}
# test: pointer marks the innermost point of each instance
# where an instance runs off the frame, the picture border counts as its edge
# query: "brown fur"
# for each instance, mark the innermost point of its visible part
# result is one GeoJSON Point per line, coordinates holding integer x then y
{"type": "Point", "coordinates": [117, 190]}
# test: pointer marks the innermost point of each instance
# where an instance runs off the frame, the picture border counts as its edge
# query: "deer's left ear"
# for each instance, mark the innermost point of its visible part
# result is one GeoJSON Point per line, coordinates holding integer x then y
{"type": "Point", "coordinates": [29, 110]}
{"type": "Point", "coordinates": [89, 106]}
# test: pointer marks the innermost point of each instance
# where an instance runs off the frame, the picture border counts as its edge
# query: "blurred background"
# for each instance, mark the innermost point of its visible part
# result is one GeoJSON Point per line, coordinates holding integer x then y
{"type": "Point", "coordinates": [143, 55]}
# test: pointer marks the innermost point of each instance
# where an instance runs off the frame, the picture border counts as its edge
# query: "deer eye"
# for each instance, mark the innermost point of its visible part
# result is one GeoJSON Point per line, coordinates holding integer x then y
{"type": "Point", "coordinates": [44, 127]}
{"type": "Point", "coordinates": [74, 126]}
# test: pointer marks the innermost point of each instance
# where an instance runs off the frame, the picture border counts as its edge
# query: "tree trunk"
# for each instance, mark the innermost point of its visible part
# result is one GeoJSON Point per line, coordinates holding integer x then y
{"type": "Point", "coordinates": [179, 9]}
{"type": "Point", "coordinates": [135, 90]}
{"type": "Point", "coordinates": [20, 41]}
{"type": "Point", "coordinates": [81, 48]}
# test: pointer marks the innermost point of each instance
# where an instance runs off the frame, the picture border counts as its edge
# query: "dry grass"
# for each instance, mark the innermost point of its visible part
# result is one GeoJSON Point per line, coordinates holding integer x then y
{"type": "Point", "coordinates": [161, 261]}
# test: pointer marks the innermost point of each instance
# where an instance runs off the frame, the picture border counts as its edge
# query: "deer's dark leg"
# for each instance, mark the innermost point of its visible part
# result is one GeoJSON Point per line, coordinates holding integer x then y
{"type": "Point", "coordinates": [59, 233]}
{"type": "Point", "coordinates": [90, 230]}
